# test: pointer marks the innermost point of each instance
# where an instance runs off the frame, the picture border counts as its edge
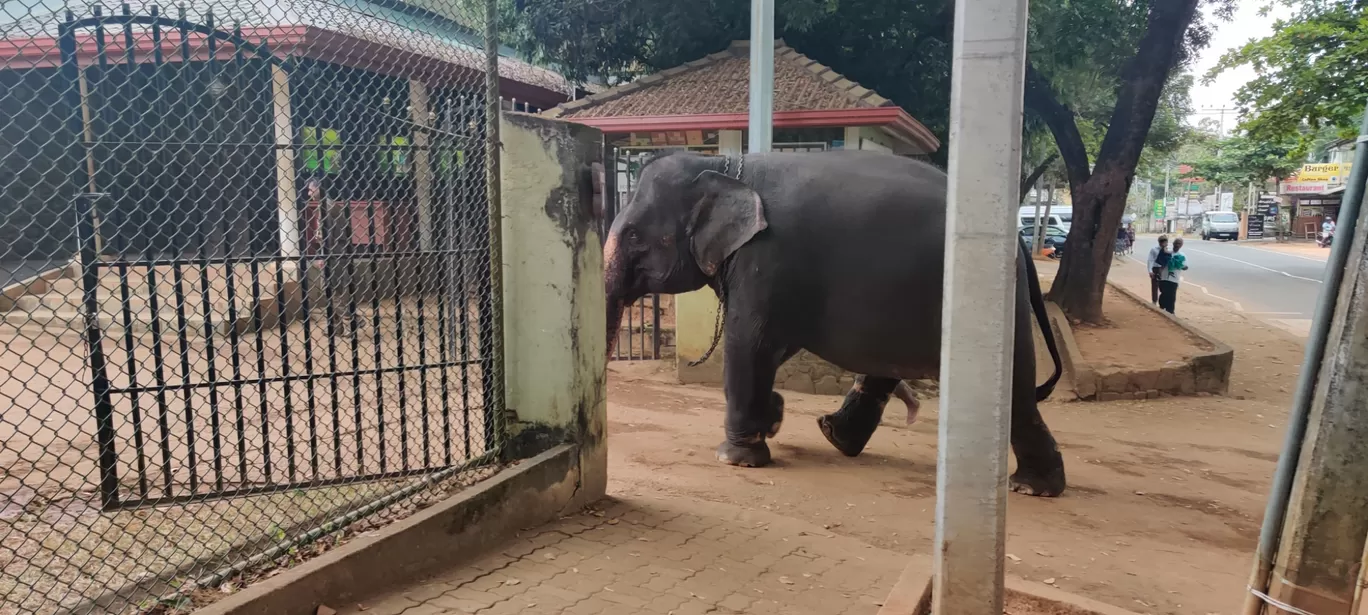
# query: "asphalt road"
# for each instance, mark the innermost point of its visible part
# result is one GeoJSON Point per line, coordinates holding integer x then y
{"type": "Point", "coordinates": [1279, 287]}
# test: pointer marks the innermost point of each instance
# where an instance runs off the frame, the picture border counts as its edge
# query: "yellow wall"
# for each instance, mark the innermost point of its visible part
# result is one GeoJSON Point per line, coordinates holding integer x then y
{"type": "Point", "coordinates": [555, 342]}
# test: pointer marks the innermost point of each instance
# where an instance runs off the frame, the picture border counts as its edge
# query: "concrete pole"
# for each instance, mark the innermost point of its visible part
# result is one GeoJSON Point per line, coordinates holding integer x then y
{"type": "Point", "coordinates": [986, 88]}
{"type": "Point", "coordinates": [421, 116]}
{"type": "Point", "coordinates": [287, 212]}
{"type": "Point", "coordinates": [761, 76]}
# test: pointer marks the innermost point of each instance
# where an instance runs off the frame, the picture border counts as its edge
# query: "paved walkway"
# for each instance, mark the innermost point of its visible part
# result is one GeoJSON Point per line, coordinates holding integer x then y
{"type": "Point", "coordinates": [645, 555]}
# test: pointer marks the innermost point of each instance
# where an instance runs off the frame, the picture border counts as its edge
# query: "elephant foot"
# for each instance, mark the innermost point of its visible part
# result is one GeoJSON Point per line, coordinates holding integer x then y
{"type": "Point", "coordinates": [751, 455]}
{"type": "Point", "coordinates": [1047, 484]}
{"type": "Point", "coordinates": [847, 438]}
{"type": "Point", "coordinates": [775, 420]}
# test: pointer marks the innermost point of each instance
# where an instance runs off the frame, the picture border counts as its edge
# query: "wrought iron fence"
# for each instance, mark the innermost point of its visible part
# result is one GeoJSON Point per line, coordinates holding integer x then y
{"type": "Point", "coordinates": [245, 248]}
{"type": "Point", "coordinates": [647, 325]}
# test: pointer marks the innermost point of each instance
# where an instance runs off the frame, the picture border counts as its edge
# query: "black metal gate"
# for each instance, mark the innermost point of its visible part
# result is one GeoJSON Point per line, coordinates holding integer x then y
{"type": "Point", "coordinates": [640, 336]}
{"type": "Point", "coordinates": [281, 288]}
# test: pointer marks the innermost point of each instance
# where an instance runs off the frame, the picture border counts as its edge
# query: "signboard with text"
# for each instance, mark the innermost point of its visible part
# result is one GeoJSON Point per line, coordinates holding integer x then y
{"type": "Point", "coordinates": [1159, 209]}
{"type": "Point", "coordinates": [1332, 173]}
{"type": "Point", "coordinates": [1304, 187]}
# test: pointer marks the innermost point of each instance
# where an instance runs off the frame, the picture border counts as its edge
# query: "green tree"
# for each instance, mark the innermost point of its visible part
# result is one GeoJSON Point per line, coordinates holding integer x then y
{"type": "Point", "coordinates": [1241, 160]}
{"type": "Point", "coordinates": [1134, 48]}
{"type": "Point", "coordinates": [1310, 74]}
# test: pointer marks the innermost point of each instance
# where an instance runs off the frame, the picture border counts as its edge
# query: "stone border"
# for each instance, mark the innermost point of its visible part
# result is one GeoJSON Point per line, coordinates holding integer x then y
{"type": "Point", "coordinates": [1206, 372]}
{"type": "Point", "coordinates": [912, 595]}
{"type": "Point", "coordinates": [456, 531]}
{"type": "Point", "coordinates": [36, 285]}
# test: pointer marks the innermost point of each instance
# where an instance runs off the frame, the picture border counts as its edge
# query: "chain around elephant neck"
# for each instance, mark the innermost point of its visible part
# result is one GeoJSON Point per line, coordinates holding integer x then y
{"type": "Point", "coordinates": [722, 272]}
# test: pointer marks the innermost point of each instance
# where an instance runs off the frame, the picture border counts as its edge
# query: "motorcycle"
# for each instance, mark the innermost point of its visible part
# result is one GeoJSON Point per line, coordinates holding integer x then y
{"type": "Point", "coordinates": [1325, 239]}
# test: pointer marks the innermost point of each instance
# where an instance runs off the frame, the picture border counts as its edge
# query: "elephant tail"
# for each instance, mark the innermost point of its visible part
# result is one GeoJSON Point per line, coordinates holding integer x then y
{"type": "Point", "coordinates": [1043, 319]}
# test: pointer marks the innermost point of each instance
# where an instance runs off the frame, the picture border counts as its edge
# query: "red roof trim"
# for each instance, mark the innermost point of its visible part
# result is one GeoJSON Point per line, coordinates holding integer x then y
{"type": "Point", "coordinates": [300, 41]}
{"type": "Point", "coordinates": [893, 118]}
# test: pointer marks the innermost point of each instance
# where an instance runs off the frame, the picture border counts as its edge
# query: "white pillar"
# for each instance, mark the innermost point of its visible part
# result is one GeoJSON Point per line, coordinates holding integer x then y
{"type": "Point", "coordinates": [729, 142]}
{"type": "Point", "coordinates": [761, 75]}
{"type": "Point", "coordinates": [422, 171]}
{"type": "Point", "coordinates": [287, 211]}
{"type": "Point", "coordinates": [986, 89]}
{"type": "Point", "coordinates": [852, 137]}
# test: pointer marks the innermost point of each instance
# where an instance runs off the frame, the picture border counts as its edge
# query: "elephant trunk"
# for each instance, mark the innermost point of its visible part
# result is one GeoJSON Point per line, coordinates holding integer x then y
{"type": "Point", "coordinates": [614, 288]}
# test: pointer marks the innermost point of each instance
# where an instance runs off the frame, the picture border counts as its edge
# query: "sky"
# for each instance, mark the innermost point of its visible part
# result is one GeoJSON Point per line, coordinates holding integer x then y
{"type": "Point", "coordinates": [1207, 100]}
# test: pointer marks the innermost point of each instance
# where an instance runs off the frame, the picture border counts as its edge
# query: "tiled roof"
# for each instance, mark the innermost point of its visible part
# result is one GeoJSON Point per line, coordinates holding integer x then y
{"type": "Point", "coordinates": [719, 82]}
{"type": "Point", "coordinates": [431, 37]}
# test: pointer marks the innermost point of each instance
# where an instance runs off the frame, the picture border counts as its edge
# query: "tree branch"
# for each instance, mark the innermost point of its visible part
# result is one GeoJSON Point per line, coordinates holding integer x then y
{"type": "Point", "coordinates": [1040, 99]}
{"type": "Point", "coordinates": [1030, 180]}
{"type": "Point", "coordinates": [1142, 82]}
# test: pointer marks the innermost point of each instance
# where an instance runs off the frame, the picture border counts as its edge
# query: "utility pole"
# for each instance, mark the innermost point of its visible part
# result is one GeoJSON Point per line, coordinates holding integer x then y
{"type": "Point", "coordinates": [1168, 168]}
{"type": "Point", "coordinates": [1038, 233]}
{"type": "Point", "coordinates": [761, 76]}
{"type": "Point", "coordinates": [986, 87]}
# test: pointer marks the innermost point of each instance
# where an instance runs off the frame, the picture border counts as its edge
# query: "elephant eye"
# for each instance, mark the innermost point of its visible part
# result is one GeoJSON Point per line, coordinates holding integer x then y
{"type": "Point", "coordinates": [633, 237]}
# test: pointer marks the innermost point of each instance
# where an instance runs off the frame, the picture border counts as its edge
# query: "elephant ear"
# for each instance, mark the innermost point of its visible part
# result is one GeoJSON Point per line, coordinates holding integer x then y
{"type": "Point", "coordinates": [727, 215]}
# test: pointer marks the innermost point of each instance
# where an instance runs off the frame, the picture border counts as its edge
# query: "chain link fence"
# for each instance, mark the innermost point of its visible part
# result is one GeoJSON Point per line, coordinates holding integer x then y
{"type": "Point", "coordinates": [245, 248]}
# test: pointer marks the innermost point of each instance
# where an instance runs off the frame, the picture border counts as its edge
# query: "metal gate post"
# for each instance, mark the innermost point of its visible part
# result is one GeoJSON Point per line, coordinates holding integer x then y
{"type": "Point", "coordinates": [99, 375]}
{"type": "Point", "coordinates": [88, 250]}
{"type": "Point", "coordinates": [491, 334]}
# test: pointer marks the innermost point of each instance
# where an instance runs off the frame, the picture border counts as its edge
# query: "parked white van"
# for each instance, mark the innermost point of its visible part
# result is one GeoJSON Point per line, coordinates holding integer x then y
{"type": "Point", "coordinates": [1060, 216]}
{"type": "Point", "coordinates": [1220, 225]}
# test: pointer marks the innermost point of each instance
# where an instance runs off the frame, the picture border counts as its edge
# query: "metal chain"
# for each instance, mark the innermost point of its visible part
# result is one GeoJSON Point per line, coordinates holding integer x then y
{"type": "Point", "coordinates": [721, 289]}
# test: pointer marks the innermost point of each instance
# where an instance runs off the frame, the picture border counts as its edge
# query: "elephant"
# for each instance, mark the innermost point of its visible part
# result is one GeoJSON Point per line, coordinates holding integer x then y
{"type": "Point", "coordinates": [839, 253]}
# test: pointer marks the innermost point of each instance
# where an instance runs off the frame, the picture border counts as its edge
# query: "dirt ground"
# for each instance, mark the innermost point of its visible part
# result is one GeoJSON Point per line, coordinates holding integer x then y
{"type": "Point", "coordinates": [1134, 336]}
{"type": "Point", "coordinates": [1161, 516]}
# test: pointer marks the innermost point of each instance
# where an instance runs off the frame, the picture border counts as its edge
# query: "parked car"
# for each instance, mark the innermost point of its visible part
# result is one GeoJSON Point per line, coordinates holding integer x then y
{"type": "Point", "coordinates": [1054, 238]}
{"type": "Point", "coordinates": [1220, 225]}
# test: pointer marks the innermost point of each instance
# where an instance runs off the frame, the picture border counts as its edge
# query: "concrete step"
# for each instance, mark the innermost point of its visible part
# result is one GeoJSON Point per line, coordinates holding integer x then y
{"type": "Point", "coordinates": [69, 320]}
{"type": "Point", "coordinates": [64, 286]}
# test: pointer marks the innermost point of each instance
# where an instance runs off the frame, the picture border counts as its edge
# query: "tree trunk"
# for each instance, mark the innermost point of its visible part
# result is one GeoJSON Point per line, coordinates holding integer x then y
{"type": "Point", "coordinates": [1039, 170]}
{"type": "Point", "coordinates": [1082, 278]}
{"type": "Point", "coordinates": [1099, 194]}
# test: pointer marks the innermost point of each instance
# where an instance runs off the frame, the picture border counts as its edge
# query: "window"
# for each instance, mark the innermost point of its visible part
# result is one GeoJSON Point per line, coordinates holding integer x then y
{"type": "Point", "coordinates": [394, 155]}
{"type": "Point", "coordinates": [1225, 216]}
{"type": "Point", "coordinates": [322, 154]}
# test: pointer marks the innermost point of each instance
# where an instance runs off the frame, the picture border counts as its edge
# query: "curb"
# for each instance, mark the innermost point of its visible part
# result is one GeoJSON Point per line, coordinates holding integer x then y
{"type": "Point", "coordinates": [1205, 372]}
{"type": "Point", "coordinates": [912, 595]}
{"type": "Point", "coordinates": [450, 533]}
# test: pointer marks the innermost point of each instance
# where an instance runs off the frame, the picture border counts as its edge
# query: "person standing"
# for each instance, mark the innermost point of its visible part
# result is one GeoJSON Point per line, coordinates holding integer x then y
{"type": "Point", "coordinates": [1130, 238]}
{"type": "Point", "coordinates": [1168, 284]}
{"type": "Point", "coordinates": [1152, 265]}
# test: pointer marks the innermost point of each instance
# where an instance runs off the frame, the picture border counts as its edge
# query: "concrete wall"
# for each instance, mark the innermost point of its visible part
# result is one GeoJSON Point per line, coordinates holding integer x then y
{"type": "Point", "coordinates": [554, 303]}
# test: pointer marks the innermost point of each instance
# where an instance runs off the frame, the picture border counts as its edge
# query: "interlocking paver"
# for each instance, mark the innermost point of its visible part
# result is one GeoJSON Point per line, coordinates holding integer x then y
{"type": "Point", "coordinates": [661, 557]}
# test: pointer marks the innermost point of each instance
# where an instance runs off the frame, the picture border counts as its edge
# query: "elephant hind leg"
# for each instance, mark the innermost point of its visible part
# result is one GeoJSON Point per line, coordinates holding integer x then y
{"type": "Point", "coordinates": [1040, 467]}
{"type": "Point", "coordinates": [850, 428]}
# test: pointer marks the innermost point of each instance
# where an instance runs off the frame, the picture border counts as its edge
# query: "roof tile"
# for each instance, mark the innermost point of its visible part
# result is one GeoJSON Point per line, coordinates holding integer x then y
{"type": "Point", "coordinates": [720, 83]}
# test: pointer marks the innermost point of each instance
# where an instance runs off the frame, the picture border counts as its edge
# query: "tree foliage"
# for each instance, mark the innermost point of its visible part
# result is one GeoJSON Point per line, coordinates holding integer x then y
{"type": "Point", "coordinates": [1241, 160]}
{"type": "Point", "coordinates": [1310, 74]}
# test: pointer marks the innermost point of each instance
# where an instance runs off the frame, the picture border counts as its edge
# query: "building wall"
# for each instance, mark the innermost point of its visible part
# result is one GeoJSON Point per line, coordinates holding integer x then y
{"type": "Point", "coordinates": [36, 174]}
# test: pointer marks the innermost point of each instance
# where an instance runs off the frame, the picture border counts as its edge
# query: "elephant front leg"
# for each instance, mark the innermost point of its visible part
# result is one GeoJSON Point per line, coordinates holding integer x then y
{"type": "Point", "coordinates": [754, 410]}
{"type": "Point", "coordinates": [850, 428]}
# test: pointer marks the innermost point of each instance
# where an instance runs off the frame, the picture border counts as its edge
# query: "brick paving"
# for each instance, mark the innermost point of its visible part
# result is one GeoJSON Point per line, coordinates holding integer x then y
{"type": "Point", "coordinates": [676, 556]}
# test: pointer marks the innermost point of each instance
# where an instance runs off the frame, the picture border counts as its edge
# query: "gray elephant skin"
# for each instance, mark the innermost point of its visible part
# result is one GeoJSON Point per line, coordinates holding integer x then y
{"type": "Point", "coordinates": [839, 253]}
